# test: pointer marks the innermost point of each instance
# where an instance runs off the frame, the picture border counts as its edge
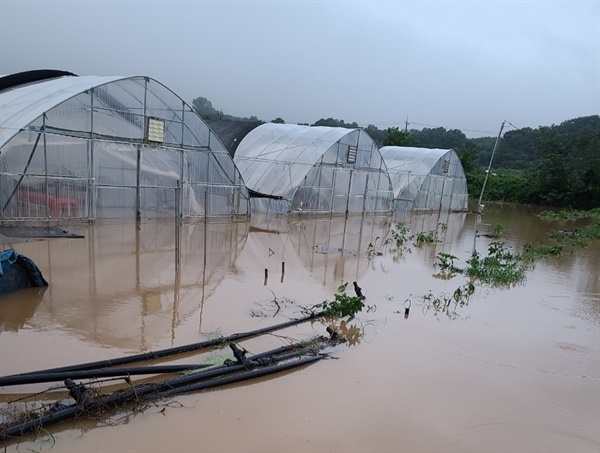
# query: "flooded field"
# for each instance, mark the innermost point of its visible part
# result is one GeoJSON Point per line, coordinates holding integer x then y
{"type": "Point", "coordinates": [514, 369]}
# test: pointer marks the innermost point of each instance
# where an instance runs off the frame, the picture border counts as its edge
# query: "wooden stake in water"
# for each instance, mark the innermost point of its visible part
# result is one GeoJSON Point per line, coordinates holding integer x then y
{"type": "Point", "coordinates": [282, 270]}
{"type": "Point", "coordinates": [266, 276]}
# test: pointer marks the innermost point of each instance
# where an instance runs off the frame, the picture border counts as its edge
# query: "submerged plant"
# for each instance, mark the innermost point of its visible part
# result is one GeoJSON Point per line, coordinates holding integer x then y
{"type": "Point", "coordinates": [568, 215]}
{"type": "Point", "coordinates": [575, 238]}
{"type": "Point", "coordinates": [534, 252]}
{"type": "Point", "coordinates": [342, 305]}
{"type": "Point", "coordinates": [499, 268]}
{"type": "Point", "coordinates": [399, 236]}
{"type": "Point", "coordinates": [373, 249]}
{"type": "Point", "coordinates": [426, 237]}
{"type": "Point", "coordinates": [498, 229]}
{"type": "Point", "coordinates": [448, 303]}
{"type": "Point", "coordinates": [445, 263]}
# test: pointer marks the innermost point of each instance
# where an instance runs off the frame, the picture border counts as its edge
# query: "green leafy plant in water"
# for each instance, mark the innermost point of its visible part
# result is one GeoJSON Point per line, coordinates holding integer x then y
{"type": "Point", "coordinates": [426, 237]}
{"type": "Point", "coordinates": [565, 240]}
{"type": "Point", "coordinates": [399, 236]}
{"type": "Point", "coordinates": [532, 253]}
{"type": "Point", "coordinates": [499, 268]}
{"type": "Point", "coordinates": [463, 293]}
{"type": "Point", "coordinates": [445, 263]}
{"type": "Point", "coordinates": [580, 236]}
{"type": "Point", "coordinates": [568, 215]}
{"type": "Point", "coordinates": [445, 302]}
{"type": "Point", "coordinates": [342, 305]}
{"type": "Point", "coordinates": [498, 229]}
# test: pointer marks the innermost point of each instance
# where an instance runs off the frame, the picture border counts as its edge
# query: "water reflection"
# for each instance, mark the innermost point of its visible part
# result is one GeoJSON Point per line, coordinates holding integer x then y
{"type": "Point", "coordinates": [121, 286]}
{"type": "Point", "coordinates": [18, 307]}
{"type": "Point", "coordinates": [352, 331]}
{"type": "Point", "coordinates": [333, 249]}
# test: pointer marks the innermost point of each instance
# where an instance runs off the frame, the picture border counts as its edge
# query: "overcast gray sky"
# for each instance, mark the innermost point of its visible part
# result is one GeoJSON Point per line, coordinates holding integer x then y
{"type": "Point", "coordinates": [467, 65]}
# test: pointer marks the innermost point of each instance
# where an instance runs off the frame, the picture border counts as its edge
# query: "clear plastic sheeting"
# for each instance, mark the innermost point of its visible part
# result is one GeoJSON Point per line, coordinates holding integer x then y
{"type": "Point", "coordinates": [111, 147]}
{"type": "Point", "coordinates": [426, 179]}
{"type": "Point", "coordinates": [301, 169]}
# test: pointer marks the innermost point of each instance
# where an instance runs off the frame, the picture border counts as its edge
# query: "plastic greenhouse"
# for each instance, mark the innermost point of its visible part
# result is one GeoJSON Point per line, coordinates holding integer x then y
{"type": "Point", "coordinates": [290, 168]}
{"type": "Point", "coordinates": [109, 147]}
{"type": "Point", "coordinates": [426, 179]}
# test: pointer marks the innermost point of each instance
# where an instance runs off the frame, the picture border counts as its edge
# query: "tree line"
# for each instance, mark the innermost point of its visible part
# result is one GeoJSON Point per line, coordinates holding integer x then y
{"type": "Point", "coordinates": [556, 165]}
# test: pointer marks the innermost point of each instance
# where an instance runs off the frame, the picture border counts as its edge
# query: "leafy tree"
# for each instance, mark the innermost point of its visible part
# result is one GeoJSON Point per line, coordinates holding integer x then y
{"type": "Point", "coordinates": [205, 109]}
{"type": "Point", "coordinates": [484, 147]}
{"type": "Point", "coordinates": [468, 157]}
{"type": "Point", "coordinates": [439, 137]}
{"type": "Point", "coordinates": [517, 149]}
{"type": "Point", "coordinates": [396, 137]}
{"type": "Point", "coordinates": [332, 122]}
{"type": "Point", "coordinates": [569, 166]}
{"type": "Point", "coordinates": [278, 120]}
{"type": "Point", "coordinates": [376, 134]}
{"type": "Point", "coordinates": [590, 146]}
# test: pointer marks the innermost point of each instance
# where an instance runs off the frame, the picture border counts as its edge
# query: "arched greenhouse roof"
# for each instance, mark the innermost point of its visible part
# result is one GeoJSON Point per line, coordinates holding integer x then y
{"type": "Point", "coordinates": [22, 105]}
{"type": "Point", "coordinates": [422, 177]}
{"type": "Point", "coordinates": [274, 158]}
{"type": "Point", "coordinates": [103, 146]}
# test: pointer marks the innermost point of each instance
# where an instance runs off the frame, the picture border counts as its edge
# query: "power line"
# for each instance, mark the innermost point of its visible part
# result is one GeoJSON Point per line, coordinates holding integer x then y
{"type": "Point", "coordinates": [396, 123]}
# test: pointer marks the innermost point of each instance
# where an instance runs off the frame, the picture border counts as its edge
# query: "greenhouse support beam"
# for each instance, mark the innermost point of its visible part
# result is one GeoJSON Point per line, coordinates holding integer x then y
{"type": "Point", "coordinates": [37, 140]}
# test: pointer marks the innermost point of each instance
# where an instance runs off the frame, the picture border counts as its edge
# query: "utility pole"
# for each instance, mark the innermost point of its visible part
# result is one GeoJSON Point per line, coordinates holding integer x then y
{"type": "Point", "coordinates": [406, 125]}
{"type": "Point", "coordinates": [487, 174]}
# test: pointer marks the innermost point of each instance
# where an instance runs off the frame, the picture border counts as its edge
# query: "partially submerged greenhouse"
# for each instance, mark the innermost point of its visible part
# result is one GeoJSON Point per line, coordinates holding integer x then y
{"type": "Point", "coordinates": [109, 147]}
{"type": "Point", "coordinates": [290, 168]}
{"type": "Point", "coordinates": [426, 179]}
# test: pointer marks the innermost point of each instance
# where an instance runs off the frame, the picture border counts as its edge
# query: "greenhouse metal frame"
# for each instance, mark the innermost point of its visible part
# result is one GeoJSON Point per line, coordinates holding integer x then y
{"type": "Point", "coordinates": [299, 169]}
{"type": "Point", "coordinates": [95, 147]}
{"type": "Point", "coordinates": [426, 179]}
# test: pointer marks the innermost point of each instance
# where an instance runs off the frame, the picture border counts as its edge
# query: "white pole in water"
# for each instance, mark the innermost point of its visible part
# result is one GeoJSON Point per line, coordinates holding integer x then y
{"type": "Point", "coordinates": [487, 173]}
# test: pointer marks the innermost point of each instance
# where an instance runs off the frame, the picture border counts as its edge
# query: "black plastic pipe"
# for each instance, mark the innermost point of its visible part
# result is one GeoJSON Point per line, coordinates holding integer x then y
{"type": "Point", "coordinates": [141, 392]}
{"type": "Point", "coordinates": [167, 352]}
{"type": "Point", "coordinates": [36, 378]}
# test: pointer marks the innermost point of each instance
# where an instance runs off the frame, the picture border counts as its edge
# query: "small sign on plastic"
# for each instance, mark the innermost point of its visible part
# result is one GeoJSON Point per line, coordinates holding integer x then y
{"type": "Point", "coordinates": [352, 150]}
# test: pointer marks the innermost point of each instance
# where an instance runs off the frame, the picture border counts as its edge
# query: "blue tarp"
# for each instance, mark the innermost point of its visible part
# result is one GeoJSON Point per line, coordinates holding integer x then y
{"type": "Point", "coordinates": [18, 271]}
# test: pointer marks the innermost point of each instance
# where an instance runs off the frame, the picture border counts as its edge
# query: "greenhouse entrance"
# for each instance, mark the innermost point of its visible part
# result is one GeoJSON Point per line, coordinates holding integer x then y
{"type": "Point", "coordinates": [350, 187]}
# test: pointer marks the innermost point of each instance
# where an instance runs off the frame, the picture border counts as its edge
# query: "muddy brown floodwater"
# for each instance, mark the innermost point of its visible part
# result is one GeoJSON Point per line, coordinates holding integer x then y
{"type": "Point", "coordinates": [515, 370]}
